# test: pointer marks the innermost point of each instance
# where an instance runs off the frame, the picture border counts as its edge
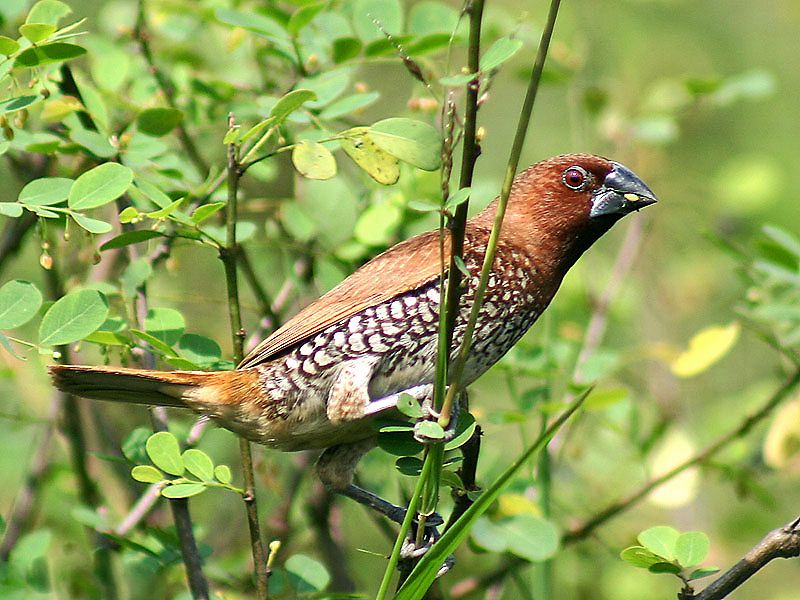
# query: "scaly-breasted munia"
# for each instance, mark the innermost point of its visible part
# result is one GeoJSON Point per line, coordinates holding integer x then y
{"type": "Point", "coordinates": [315, 382]}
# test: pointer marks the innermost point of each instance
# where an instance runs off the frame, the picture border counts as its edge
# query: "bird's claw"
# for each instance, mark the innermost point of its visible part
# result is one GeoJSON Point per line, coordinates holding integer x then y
{"type": "Point", "coordinates": [427, 429]}
{"type": "Point", "coordinates": [411, 551]}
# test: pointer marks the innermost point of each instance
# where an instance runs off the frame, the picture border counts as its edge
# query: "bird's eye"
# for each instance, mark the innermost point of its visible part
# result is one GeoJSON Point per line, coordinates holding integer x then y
{"type": "Point", "coordinates": [575, 178]}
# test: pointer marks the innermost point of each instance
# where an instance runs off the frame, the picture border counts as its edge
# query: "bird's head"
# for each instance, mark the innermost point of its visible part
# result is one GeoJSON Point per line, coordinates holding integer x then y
{"type": "Point", "coordinates": [563, 204]}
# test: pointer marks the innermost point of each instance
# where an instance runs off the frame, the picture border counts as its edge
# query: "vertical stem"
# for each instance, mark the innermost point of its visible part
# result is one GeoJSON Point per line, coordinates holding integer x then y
{"type": "Point", "coordinates": [228, 255]}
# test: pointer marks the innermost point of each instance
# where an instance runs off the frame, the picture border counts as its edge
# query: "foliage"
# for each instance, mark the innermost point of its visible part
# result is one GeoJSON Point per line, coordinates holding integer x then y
{"type": "Point", "coordinates": [115, 142]}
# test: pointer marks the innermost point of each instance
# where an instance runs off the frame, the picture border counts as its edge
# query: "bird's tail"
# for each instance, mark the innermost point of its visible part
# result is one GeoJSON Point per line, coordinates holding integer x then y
{"type": "Point", "coordinates": [161, 388]}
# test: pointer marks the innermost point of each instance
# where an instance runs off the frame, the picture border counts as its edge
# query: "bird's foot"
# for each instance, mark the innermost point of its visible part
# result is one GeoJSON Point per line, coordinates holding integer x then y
{"type": "Point", "coordinates": [427, 429]}
{"type": "Point", "coordinates": [411, 551]}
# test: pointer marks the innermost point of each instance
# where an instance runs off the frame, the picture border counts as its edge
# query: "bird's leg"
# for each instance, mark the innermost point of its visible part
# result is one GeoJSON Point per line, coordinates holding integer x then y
{"type": "Point", "coordinates": [430, 414]}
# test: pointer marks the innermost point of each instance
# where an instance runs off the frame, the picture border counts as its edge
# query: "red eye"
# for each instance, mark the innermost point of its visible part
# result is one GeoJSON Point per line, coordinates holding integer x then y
{"type": "Point", "coordinates": [575, 178]}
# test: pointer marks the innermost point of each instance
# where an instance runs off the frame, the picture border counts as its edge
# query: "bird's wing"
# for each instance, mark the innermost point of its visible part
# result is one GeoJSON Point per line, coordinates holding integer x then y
{"type": "Point", "coordinates": [406, 266]}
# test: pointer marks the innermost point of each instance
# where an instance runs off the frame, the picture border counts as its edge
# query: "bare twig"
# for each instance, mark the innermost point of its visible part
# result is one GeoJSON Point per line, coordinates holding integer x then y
{"type": "Point", "coordinates": [228, 255]}
{"type": "Point", "coordinates": [783, 542]}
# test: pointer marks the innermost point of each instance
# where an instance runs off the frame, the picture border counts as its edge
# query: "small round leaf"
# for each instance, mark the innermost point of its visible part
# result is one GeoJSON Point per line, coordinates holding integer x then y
{"type": "Point", "coordinates": [691, 548]}
{"type": "Point", "coordinates": [199, 464]}
{"type": "Point", "coordinates": [531, 537]}
{"type": "Point", "coordinates": [158, 121]}
{"type": "Point", "coordinates": [183, 490]}
{"type": "Point", "coordinates": [313, 160]}
{"type": "Point", "coordinates": [163, 450]}
{"type": "Point", "coordinates": [19, 301]}
{"type": "Point", "coordinates": [146, 474]}
{"type": "Point", "coordinates": [307, 574]}
{"type": "Point", "coordinates": [73, 317]}
{"type": "Point", "coordinates": [411, 141]}
{"type": "Point", "coordinates": [660, 540]}
{"type": "Point", "coordinates": [222, 473]}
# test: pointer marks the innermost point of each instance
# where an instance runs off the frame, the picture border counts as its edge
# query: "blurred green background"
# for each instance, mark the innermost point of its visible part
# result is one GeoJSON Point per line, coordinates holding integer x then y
{"type": "Point", "coordinates": [700, 99]}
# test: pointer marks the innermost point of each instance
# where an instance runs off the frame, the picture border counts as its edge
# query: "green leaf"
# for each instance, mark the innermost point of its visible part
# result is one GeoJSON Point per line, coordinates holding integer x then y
{"type": "Point", "coordinates": [48, 11]}
{"type": "Point", "coordinates": [165, 324]}
{"type": "Point", "coordinates": [499, 52]}
{"type": "Point", "coordinates": [464, 430]}
{"type": "Point", "coordinates": [399, 441]}
{"type": "Point", "coordinates": [18, 103]}
{"type": "Point", "coordinates": [377, 163]}
{"type": "Point", "coordinates": [7, 45]}
{"type": "Point", "coordinates": [101, 185]}
{"type": "Point", "coordinates": [45, 191]}
{"type": "Point", "coordinates": [73, 317]}
{"type": "Point", "coordinates": [10, 209]}
{"type": "Point", "coordinates": [46, 54]}
{"type": "Point", "coordinates": [378, 223]}
{"type": "Point", "coordinates": [91, 225]}
{"type": "Point", "coordinates": [327, 85]}
{"type": "Point", "coordinates": [306, 574]}
{"type": "Point", "coordinates": [297, 223]}
{"type": "Point", "coordinates": [290, 103]}
{"type": "Point", "coordinates": [130, 237]}
{"type": "Point", "coordinates": [156, 343]}
{"type": "Point", "coordinates": [165, 453]}
{"type": "Point", "coordinates": [345, 48]}
{"type": "Point", "coordinates": [94, 142]}
{"type": "Point", "coordinates": [530, 537]}
{"type": "Point", "coordinates": [639, 556]}
{"type": "Point", "coordinates": [133, 447]}
{"type": "Point", "coordinates": [372, 19]}
{"type": "Point", "coordinates": [665, 567]}
{"type": "Point", "coordinates": [199, 349]}
{"type": "Point", "coordinates": [199, 464]}
{"type": "Point", "coordinates": [313, 160]}
{"type": "Point", "coordinates": [303, 16]}
{"type": "Point", "coordinates": [424, 573]}
{"type": "Point", "coordinates": [158, 121]}
{"type": "Point", "coordinates": [19, 302]}
{"type": "Point", "coordinates": [6, 343]}
{"type": "Point", "coordinates": [429, 17]}
{"type": "Point", "coordinates": [222, 473]}
{"type": "Point", "coordinates": [704, 572]}
{"type": "Point", "coordinates": [691, 548]}
{"type": "Point", "coordinates": [183, 490]}
{"type": "Point", "coordinates": [660, 540]}
{"type": "Point", "coordinates": [489, 535]}
{"type": "Point", "coordinates": [411, 141]}
{"type": "Point", "coordinates": [135, 274]}
{"type": "Point", "coordinates": [408, 405]}
{"type": "Point", "coordinates": [258, 24]}
{"type": "Point", "coordinates": [455, 200]}
{"type": "Point", "coordinates": [348, 105]}
{"type": "Point", "coordinates": [205, 211]}
{"type": "Point", "coordinates": [146, 474]}
{"type": "Point", "coordinates": [430, 430]}
{"type": "Point", "coordinates": [36, 32]}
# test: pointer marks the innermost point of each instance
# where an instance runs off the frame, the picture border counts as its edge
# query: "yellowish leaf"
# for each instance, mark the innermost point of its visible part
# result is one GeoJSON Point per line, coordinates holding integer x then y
{"type": "Point", "coordinates": [679, 491]}
{"type": "Point", "coordinates": [782, 444]}
{"type": "Point", "coordinates": [379, 164]}
{"type": "Point", "coordinates": [516, 504]}
{"type": "Point", "coordinates": [706, 348]}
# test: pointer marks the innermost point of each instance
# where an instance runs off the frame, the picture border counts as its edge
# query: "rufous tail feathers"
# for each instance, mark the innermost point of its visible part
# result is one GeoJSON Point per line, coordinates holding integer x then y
{"type": "Point", "coordinates": [161, 388]}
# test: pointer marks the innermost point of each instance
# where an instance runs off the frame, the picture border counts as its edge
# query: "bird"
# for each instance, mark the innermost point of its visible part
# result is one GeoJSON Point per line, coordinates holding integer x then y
{"type": "Point", "coordinates": [318, 381]}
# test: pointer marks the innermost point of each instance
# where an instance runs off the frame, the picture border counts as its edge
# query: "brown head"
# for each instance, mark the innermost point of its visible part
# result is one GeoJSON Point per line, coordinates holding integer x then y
{"type": "Point", "coordinates": [561, 206]}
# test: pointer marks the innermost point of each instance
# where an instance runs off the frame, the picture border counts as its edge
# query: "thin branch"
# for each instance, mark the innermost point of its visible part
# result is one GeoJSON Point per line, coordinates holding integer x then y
{"type": "Point", "coordinates": [228, 255]}
{"type": "Point", "coordinates": [142, 38]}
{"type": "Point", "coordinates": [584, 530]}
{"type": "Point", "coordinates": [783, 542]}
{"type": "Point", "coordinates": [264, 303]}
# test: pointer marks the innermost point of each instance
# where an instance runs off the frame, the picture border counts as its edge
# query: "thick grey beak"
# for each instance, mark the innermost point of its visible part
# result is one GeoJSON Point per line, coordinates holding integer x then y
{"type": "Point", "coordinates": [622, 192]}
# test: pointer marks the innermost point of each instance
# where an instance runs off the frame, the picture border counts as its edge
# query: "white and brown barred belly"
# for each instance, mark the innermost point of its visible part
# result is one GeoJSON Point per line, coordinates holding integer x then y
{"type": "Point", "coordinates": [398, 338]}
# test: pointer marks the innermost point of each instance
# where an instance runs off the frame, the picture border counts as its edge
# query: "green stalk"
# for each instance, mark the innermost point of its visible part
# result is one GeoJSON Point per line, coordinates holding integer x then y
{"type": "Point", "coordinates": [228, 255]}
{"type": "Point", "coordinates": [511, 169]}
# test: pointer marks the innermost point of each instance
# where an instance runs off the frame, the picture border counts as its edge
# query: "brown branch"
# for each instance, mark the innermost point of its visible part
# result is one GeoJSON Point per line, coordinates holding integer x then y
{"type": "Point", "coordinates": [228, 256]}
{"type": "Point", "coordinates": [783, 542]}
{"type": "Point", "coordinates": [142, 38]}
